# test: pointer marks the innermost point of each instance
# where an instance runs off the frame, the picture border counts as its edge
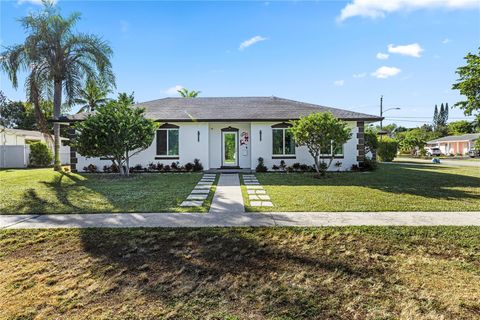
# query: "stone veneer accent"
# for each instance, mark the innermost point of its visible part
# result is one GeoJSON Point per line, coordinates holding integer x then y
{"type": "Point", "coordinates": [361, 141]}
{"type": "Point", "coordinates": [73, 151]}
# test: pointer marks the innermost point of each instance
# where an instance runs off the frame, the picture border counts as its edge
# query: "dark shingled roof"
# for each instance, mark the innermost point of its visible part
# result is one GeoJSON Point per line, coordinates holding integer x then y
{"type": "Point", "coordinates": [235, 108]}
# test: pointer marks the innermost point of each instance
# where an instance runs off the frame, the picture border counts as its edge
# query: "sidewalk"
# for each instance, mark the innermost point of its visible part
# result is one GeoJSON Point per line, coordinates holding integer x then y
{"type": "Point", "coordinates": [239, 219]}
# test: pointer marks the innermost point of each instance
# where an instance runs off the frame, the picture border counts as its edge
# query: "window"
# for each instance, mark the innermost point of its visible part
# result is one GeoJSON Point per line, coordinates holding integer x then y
{"type": "Point", "coordinates": [283, 142]}
{"type": "Point", "coordinates": [167, 141]}
{"type": "Point", "coordinates": [338, 151]}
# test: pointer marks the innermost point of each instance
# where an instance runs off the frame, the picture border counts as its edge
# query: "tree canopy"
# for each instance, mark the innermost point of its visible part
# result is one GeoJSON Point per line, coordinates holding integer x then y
{"type": "Point", "coordinates": [116, 131]}
{"type": "Point", "coordinates": [322, 134]}
{"type": "Point", "coordinates": [58, 59]}
{"type": "Point", "coordinates": [468, 83]}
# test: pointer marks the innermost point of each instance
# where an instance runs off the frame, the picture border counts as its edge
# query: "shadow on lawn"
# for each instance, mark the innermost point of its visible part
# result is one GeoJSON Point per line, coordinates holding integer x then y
{"type": "Point", "coordinates": [409, 179]}
{"type": "Point", "coordinates": [211, 268]}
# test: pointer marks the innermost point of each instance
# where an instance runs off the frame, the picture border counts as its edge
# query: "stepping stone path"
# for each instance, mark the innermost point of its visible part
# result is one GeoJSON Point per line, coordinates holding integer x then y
{"type": "Point", "coordinates": [201, 191]}
{"type": "Point", "coordinates": [256, 194]}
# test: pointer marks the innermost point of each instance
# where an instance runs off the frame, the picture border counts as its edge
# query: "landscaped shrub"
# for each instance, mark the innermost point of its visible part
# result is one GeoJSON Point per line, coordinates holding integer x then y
{"type": "Point", "coordinates": [40, 155]}
{"type": "Point", "coordinates": [387, 150]}
{"type": "Point", "coordinates": [283, 165]}
{"type": "Point", "coordinates": [90, 168]}
{"type": "Point", "coordinates": [189, 166]}
{"type": "Point", "coordinates": [366, 165]}
{"type": "Point", "coordinates": [275, 167]}
{"type": "Point", "coordinates": [296, 166]}
{"type": "Point", "coordinates": [166, 168]}
{"type": "Point", "coordinates": [261, 166]}
{"type": "Point", "coordinates": [197, 165]}
{"type": "Point", "coordinates": [174, 166]}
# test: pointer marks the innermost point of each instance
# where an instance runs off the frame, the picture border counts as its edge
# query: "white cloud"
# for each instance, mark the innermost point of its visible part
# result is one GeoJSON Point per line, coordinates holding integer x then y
{"type": "Point", "coordinates": [173, 91]}
{"type": "Point", "coordinates": [386, 72]}
{"type": "Point", "coordinates": [339, 83]}
{"type": "Point", "coordinates": [360, 75]}
{"type": "Point", "coordinates": [412, 50]}
{"type": "Point", "coordinates": [445, 41]}
{"type": "Point", "coordinates": [379, 8]}
{"type": "Point", "coordinates": [382, 56]}
{"type": "Point", "coordinates": [247, 43]}
{"type": "Point", "coordinates": [37, 2]}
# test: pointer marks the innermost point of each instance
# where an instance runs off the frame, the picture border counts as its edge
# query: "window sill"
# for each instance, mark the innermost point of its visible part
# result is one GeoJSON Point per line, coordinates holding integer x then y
{"type": "Point", "coordinates": [284, 157]}
{"type": "Point", "coordinates": [167, 158]}
{"type": "Point", "coordinates": [335, 157]}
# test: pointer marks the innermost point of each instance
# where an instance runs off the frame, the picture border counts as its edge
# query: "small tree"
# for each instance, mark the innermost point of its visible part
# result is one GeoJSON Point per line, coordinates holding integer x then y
{"type": "Point", "coordinates": [371, 141]}
{"type": "Point", "coordinates": [322, 133]}
{"type": "Point", "coordinates": [117, 131]}
{"type": "Point", "coordinates": [185, 93]}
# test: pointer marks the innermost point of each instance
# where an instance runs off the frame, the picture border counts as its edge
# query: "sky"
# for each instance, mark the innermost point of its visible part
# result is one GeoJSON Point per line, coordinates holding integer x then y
{"type": "Point", "coordinates": [343, 54]}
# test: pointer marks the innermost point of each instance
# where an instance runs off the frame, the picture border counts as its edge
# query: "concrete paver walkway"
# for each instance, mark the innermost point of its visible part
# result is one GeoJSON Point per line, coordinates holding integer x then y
{"type": "Point", "coordinates": [239, 219]}
{"type": "Point", "coordinates": [228, 196]}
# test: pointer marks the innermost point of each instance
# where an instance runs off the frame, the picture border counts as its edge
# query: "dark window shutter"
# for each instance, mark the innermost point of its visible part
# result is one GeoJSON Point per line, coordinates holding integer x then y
{"type": "Point", "coordinates": [162, 142]}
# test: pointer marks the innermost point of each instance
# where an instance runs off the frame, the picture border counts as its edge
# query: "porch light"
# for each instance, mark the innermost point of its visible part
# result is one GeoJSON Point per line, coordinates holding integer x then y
{"type": "Point", "coordinates": [198, 136]}
{"type": "Point", "coordinates": [260, 135]}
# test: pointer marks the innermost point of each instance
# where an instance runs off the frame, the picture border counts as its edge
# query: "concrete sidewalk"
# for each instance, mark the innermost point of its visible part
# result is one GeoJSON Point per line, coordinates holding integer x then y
{"type": "Point", "coordinates": [228, 195]}
{"type": "Point", "coordinates": [238, 219]}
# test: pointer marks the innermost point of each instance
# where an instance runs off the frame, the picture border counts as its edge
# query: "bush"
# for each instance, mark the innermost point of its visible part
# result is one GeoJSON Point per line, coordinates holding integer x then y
{"type": "Point", "coordinates": [366, 165]}
{"type": "Point", "coordinates": [197, 165]}
{"type": "Point", "coordinates": [174, 166]}
{"type": "Point", "coordinates": [90, 168]}
{"type": "Point", "coordinates": [189, 166]}
{"type": "Point", "coordinates": [40, 155]}
{"type": "Point", "coordinates": [166, 168]}
{"type": "Point", "coordinates": [387, 150]}
{"type": "Point", "coordinates": [296, 166]}
{"type": "Point", "coordinates": [283, 165]}
{"type": "Point", "coordinates": [275, 167]}
{"type": "Point", "coordinates": [261, 166]}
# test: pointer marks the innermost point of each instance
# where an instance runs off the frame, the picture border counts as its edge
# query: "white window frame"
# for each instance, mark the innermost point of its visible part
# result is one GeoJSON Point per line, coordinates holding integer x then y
{"type": "Point", "coordinates": [167, 143]}
{"type": "Point", "coordinates": [283, 145]}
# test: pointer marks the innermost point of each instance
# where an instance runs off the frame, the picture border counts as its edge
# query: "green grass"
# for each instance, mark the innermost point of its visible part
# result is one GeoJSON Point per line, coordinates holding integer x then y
{"type": "Point", "coordinates": [42, 191]}
{"type": "Point", "coordinates": [241, 273]}
{"type": "Point", "coordinates": [392, 187]}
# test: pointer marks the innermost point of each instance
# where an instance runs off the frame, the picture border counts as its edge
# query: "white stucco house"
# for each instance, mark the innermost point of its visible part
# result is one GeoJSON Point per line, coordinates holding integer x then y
{"type": "Point", "coordinates": [232, 132]}
{"type": "Point", "coordinates": [453, 145]}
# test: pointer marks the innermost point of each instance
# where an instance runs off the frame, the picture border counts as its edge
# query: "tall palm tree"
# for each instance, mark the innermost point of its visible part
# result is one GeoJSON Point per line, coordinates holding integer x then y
{"type": "Point", "coordinates": [58, 59]}
{"type": "Point", "coordinates": [92, 96]}
{"type": "Point", "coordinates": [185, 93]}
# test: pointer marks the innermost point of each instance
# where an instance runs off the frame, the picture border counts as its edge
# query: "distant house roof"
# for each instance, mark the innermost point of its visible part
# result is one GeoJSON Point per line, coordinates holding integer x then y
{"type": "Point", "coordinates": [234, 109]}
{"type": "Point", "coordinates": [28, 134]}
{"type": "Point", "coordinates": [463, 137]}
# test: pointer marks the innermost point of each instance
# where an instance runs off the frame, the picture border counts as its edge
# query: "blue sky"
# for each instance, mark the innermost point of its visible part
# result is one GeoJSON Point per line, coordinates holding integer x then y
{"type": "Point", "coordinates": [338, 53]}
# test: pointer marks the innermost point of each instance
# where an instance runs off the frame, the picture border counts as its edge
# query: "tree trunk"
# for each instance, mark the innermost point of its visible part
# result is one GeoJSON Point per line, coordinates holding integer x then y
{"type": "Point", "coordinates": [120, 166]}
{"type": "Point", "coordinates": [127, 163]}
{"type": "Point", "coordinates": [57, 103]}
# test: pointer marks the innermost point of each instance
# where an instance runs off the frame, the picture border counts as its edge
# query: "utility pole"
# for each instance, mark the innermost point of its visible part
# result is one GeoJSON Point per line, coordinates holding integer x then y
{"type": "Point", "coordinates": [381, 112]}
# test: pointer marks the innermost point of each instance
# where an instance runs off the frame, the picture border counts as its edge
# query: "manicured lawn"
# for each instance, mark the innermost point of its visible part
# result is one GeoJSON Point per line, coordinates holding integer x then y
{"type": "Point", "coordinates": [393, 187]}
{"type": "Point", "coordinates": [45, 191]}
{"type": "Point", "coordinates": [254, 273]}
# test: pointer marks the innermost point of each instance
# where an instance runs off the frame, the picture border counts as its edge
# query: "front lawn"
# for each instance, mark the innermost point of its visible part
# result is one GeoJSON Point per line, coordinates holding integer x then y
{"type": "Point", "coordinates": [393, 187]}
{"type": "Point", "coordinates": [42, 191]}
{"type": "Point", "coordinates": [241, 273]}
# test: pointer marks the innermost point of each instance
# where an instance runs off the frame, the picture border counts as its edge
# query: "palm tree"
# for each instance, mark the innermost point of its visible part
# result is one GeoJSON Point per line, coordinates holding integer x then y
{"type": "Point", "coordinates": [185, 93]}
{"type": "Point", "coordinates": [92, 96]}
{"type": "Point", "coordinates": [58, 60]}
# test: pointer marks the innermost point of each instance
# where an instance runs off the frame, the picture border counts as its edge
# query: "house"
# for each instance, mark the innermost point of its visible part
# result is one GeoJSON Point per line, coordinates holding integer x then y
{"type": "Point", "coordinates": [14, 147]}
{"type": "Point", "coordinates": [455, 144]}
{"type": "Point", "coordinates": [232, 132]}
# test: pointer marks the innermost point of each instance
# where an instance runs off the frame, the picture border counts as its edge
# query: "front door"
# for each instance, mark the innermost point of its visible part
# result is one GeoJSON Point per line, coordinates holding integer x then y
{"type": "Point", "coordinates": [229, 149]}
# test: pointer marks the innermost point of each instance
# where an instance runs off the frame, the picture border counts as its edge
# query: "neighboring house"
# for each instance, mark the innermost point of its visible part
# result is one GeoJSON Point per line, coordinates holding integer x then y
{"type": "Point", "coordinates": [455, 144]}
{"type": "Point", "coordinates": [14, 147]}
{"type": "Point", "coordinates": [233, 133]}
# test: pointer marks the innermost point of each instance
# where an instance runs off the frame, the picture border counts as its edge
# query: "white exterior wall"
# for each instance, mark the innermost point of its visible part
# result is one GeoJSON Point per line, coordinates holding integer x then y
{"type": "Point", "coordinates": [215, 152]}
{"type": "Point", "coordinates": [209, 148]}
{"type": "Point", "coordinates": [189, 149]}
{"type": "Point", "coordinates": [264, 148]}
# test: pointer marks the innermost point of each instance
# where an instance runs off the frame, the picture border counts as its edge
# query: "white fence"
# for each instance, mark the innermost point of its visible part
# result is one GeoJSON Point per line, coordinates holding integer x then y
{"type": "Point", "coordinates": [17, 156]}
